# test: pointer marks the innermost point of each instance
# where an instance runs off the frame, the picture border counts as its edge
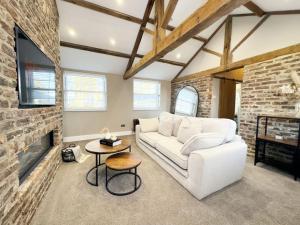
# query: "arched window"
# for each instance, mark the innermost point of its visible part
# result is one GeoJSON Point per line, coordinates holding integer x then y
{"type": "Point", "coordinates": [187, 102]}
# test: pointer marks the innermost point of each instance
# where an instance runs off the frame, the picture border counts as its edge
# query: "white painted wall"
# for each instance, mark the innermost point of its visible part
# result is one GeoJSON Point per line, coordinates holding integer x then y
{"type": "Point", "coordinates": [202, 61]}
{"type": "Point", "coordinates": [277, 32]}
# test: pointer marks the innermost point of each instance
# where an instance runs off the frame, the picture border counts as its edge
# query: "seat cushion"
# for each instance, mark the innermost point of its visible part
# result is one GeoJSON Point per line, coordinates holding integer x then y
{"type": "Point", "coordinates": [149, 125]}
{"type": "Point", "coordinates": [171, 148]}
{"type": "Point", "coordinates": [152, 138]}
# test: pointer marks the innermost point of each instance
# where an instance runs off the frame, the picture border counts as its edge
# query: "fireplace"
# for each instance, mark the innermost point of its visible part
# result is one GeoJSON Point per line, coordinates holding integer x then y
{"type": "Point", "coordinates": [33, 155]}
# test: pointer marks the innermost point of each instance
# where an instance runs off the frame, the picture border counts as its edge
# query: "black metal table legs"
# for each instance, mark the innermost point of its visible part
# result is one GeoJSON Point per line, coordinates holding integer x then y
{"type": "Point", "coordinates": [136, 184]}
{"type": "Point", "coordinates": [96, 168]}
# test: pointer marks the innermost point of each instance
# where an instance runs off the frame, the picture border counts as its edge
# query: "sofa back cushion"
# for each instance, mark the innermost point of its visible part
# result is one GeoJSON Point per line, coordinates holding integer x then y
{"type": "Point", "coordinates": [187, 129]}
{"type": "Point", "coordinates": [176, 124]}
{"type": "Point", "coordinates": [202, 141]}
{"type": "Point", "coordinates": [226, 127]}
{"type": "Point", "coordinates": [149, 125]}
{"type": "Point", "coordinates": [176, 121]}
{"type": "Point", "coordinates": [165, 126]}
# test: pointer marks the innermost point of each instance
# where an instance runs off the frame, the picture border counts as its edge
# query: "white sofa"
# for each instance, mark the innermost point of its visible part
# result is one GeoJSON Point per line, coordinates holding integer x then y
{"type": "Point", "coordinates": [204, 171]}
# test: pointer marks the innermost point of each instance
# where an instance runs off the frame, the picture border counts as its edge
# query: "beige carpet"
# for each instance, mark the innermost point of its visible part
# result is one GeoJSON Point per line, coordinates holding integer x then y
{"type": "Point", "coordinates": [264, 196]}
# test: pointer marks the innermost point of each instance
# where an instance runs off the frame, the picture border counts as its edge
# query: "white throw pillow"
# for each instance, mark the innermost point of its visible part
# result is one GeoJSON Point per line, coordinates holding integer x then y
{"type": "Point", "coordinates": [176, 124]}
{"type": "Point", "coordinates": [165, 115]}
{"type": "Point", "coordinates": [202, 141]}
{"type": "Point", "coordinates": [149, 125]}
{"type": "Point", "coordinates": [166, 127]}
{"type": "Point", "coordinates": [188, 129]}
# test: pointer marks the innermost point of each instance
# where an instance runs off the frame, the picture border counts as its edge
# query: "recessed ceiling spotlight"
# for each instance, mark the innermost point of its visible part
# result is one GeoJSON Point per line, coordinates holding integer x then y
{"type": "Point", "coordinates": [112, 41]}
{"type": "Point", "coordinates": [120, 2]}
{"type": "Point", "coordinates": [72, 32]}
{"type": "Point", "coordinates": [178, 56]}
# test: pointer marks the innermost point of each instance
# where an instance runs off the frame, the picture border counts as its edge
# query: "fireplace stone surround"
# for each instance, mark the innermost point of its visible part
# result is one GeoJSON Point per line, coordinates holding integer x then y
{"type": "Point", "coordinates": [19, 128]}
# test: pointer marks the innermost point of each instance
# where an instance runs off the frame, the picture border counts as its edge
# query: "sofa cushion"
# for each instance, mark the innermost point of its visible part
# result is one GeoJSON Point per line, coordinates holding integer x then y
{"type": "Point", "coordinates": [165, 115]}
{"type": "Point", "coordinates": [149, 125]}
{"type": "Point", "coordinates": [224, 126]}
{"type": "Point", "coordinates": [176, 124]}
{"type": "Point", "coordinates": [166, 127]}
{"type": "Point", "coordinates": [171, 149]}
{"type": "Point", "coordinates": [202, 141]}
{"type": "Point", "coordinates": [152, 138]}
{"type": "Point", "coordinates": [188, 129]}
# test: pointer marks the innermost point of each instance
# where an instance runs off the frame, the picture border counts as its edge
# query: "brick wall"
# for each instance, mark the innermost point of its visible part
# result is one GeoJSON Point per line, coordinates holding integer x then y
{"type": "Point", "coordinates": [203, 85]}
{"type": "Point", "coordinates": [261, 81]}
{"type": "Point", "coordinates": [259, 87]}
{"type": "Point", "coordinates": [22, 127]}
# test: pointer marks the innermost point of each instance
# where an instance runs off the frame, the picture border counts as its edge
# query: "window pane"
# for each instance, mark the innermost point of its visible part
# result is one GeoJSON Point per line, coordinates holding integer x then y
{"type": "Point", "coordinates": [79, 82]}
{"type": "Point", "coordinates": [146, 87]}
{"type": "Point", "coordinates": [146, 101]}
{"type": "Point", "coordinates": [184, 107]}
{"type": "Point", "coordinates": [146, 94]}
{"type": "Point", "coordinates": [84, 92]}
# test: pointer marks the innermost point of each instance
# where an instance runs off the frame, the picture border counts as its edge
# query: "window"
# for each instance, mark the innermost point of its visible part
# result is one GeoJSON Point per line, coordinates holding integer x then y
{"type": "Point", "coordinates": [146, 95]}
{"type": "Point", "coordinates": [187, 102]}
{"type": "Point", "coordinates": [84, 92]}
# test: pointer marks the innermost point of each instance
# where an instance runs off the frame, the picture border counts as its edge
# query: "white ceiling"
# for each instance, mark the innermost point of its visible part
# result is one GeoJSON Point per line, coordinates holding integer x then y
{"type": "Point", "coordinates": [87, 27]}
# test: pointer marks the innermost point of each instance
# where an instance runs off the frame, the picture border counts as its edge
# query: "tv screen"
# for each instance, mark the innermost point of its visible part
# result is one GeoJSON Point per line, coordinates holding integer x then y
{"type": "Point", "coordinates": [36, 73]}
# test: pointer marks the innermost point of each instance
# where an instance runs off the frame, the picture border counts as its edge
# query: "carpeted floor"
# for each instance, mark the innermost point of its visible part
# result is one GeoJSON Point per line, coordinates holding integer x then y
{"type": "Point", "coordinates": [264, 196]}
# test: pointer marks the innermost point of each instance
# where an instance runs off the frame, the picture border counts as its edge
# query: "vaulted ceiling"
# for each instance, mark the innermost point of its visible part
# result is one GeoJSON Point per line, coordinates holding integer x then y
{"type": "Point", "coordinates": [97, 30]}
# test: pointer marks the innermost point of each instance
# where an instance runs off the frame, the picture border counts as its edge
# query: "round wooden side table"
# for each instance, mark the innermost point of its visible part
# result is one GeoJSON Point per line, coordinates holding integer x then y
{"type": "Point", "coordinates": [98, 149]}
{"type": "Point", "coordinates": [123, 161]}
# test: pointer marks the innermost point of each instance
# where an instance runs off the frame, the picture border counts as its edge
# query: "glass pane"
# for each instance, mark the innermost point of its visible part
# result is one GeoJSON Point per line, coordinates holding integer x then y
{"type": "Point", "coordinates": [81, 82]}
{"type": "Point", "coordinates": [187, 102]}
{"type": "Point", "coordinates": [183, 107]}
{"type": "Point", "coordinates": [146, 102]}
{"type": "Point", "coordinates": [85, 100]}
{"type": "Point", "coordinates": [146, 87]}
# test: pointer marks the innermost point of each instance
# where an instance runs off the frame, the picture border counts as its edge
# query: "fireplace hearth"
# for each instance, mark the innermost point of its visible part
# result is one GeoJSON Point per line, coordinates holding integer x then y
{"type": "Point", "coordinates": [33, 155]}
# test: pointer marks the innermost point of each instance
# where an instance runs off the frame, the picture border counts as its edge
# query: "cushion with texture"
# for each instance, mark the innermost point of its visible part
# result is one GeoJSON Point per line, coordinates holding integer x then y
{"type": "Point", "coordinates": [188, 129]}
{"type": "Point", "coordinates": [152, 138]}
{"type": "Point", "coordinates": [149, 125]}
{"type": "Point", "coordinates": [166, 127]}
{"type": "Point", "coordinates": [202, 141]}
{"type": "Point", "coordinates": [176, 124]}
{"type": "Point", "coordinates": [171, 148]}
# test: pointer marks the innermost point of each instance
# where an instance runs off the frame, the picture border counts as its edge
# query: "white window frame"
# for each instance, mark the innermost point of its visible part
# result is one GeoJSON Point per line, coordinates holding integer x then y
{"type": "Point", "coordinates": [85, 74]}
{"type": "Point", "coordinates": [157, 94]}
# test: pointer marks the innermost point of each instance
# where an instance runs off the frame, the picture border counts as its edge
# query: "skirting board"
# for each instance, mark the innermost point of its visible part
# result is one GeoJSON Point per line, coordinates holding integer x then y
{"type": "Point", "coordinates": [94, 136]}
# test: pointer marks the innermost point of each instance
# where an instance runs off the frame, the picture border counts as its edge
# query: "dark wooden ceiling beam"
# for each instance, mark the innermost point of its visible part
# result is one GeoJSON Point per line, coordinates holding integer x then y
{"type": "Point", "coordinates": [168, 13]}
{"type": "Point", "coordinates": [227, 41]}
{"type": "Point", "coordinates": [140, 33]}
{"type": "Point", "coordinates": [254, 8]}
{"type": "Point", "coordinates": [102, 9]}
{"type": "Point", "coordinates": [113, 53]}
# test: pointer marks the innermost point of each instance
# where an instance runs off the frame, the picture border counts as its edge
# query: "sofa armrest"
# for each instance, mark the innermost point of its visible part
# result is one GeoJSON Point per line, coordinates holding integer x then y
{"type": "Point", "coordinates": [212, 169]}
{"type": "Point", "coordinates": [137, 132]}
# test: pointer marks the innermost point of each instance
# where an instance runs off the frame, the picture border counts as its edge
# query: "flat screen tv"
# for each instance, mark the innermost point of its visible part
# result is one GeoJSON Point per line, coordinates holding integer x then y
{"type": "Point", "coordinates": [36, 73]}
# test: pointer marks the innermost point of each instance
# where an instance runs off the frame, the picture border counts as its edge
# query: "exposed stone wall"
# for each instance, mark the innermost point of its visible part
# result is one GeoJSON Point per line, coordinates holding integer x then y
{"type": "Point", "coordinates": [261, 81]}
{"type": "Point", "coordinates": [203, 85]}
{"type": "Point", "coordinates": [22, 127]}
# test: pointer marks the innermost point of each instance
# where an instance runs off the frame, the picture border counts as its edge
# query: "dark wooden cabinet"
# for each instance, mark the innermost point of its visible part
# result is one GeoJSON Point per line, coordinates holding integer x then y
{"type": "Point", "coordinates": [283, 153]}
